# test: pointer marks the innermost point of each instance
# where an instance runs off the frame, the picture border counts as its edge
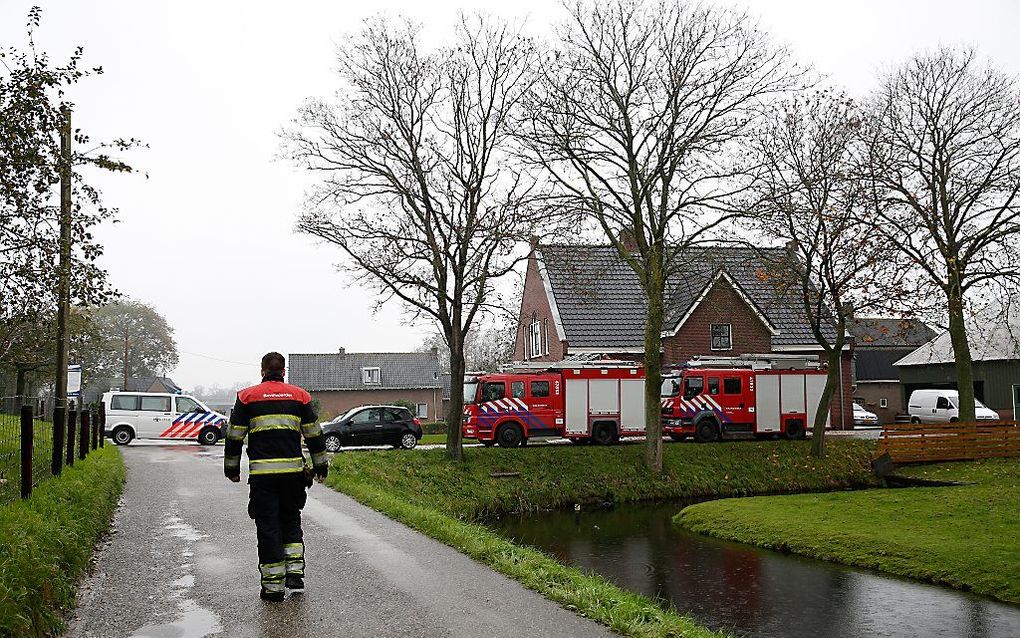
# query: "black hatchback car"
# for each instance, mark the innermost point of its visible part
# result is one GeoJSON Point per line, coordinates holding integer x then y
{"type": "Point", "coordinates": [373, 425]}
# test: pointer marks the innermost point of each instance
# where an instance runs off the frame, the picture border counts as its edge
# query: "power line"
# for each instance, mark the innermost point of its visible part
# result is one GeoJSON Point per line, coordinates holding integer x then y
{"type": "Point", "coordinates": [206, 356]}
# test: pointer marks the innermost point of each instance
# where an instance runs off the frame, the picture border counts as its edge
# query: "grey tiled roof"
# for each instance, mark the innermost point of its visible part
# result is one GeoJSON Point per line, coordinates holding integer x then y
{"type": "Point", "coordinates": [889, 332]}
{"type": "Point", "coordinates": [143, 384]}
{"type": "Point", "coordinates": [601, 304]}
{"type": "Point", "coordinates": [876, 364]}
{"type": "Point", "coordinates": [342, 371]}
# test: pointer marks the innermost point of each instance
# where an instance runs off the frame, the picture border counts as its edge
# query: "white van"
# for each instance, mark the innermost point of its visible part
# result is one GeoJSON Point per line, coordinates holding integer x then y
{"type": "Point", "coordinates": [942, 406]}
{"type": "Point", "coordinates": [157, 415]}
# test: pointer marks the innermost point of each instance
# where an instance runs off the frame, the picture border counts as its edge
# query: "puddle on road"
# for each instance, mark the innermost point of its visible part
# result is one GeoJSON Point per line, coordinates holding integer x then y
{"type": "Point", "coordinates": [193, 620]}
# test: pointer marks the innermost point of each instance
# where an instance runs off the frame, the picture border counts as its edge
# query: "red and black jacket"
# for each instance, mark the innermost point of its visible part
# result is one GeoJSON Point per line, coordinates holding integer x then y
{"type": "Point", "coordinates": [274, 416]}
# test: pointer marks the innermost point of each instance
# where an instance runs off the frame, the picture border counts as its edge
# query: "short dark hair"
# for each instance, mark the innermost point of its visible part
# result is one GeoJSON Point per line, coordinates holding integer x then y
{"type": "Point", "coordinates": [273, 362]}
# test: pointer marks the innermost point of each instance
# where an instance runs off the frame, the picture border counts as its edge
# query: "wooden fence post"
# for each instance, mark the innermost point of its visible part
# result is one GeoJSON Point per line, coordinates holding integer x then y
{"type": "Point", "coordinates": [59, 422]}
{"type": "Point", "coordinates": [83, 435]}
{"type": "Point", "coordinates": [27, 442]}
{"type": "Point", "coordinates": [102, 425]}
{"type": "Point", "coordinates": [72, 424]}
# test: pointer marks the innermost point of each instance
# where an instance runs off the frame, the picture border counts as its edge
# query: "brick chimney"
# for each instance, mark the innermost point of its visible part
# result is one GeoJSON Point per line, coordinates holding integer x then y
{"type": "Point", "coordinates": [343, 350]}
{"type": "Point", "coordinates": [628, 240]}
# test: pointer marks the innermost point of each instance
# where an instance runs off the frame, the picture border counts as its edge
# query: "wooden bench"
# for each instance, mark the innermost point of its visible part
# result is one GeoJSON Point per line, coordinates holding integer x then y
{"type": "Point", "coordinates": [930, 442]}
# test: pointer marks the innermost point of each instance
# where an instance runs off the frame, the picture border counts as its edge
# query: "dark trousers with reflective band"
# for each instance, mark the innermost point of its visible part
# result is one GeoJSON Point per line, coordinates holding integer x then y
{"type": "Point", "coordinates": [275, 504]}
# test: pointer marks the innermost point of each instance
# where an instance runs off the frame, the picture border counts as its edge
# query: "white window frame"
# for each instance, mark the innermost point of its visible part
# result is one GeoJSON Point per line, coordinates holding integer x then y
{"type": "Point", "coordinates": [421, 410]}
{"type": "Point", "coordinates": [534, 338]}
{"type": "Point", "coordinates": [883, 402]}
{"type": "Point", "coordinates": [711, 336]}
{"type": "Point", "coordinates": [371, 376]}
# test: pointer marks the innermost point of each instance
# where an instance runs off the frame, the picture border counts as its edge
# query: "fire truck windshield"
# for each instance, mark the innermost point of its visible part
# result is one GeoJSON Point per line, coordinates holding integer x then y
{"type": "Point", "coordinates": [470, 392]}
{"type": "Point", "coordinates": [670, 387]}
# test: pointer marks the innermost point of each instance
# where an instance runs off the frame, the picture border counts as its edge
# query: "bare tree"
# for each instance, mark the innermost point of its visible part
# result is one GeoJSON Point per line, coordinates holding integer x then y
{"type": "Point", "coordinates": [417, 188]}
{"type": "Point", "coordinates": [944, 155]}
{"type": "Point", "coordinates": [636, 121]}
{"type": "Point", "coordinates": [809, 194]}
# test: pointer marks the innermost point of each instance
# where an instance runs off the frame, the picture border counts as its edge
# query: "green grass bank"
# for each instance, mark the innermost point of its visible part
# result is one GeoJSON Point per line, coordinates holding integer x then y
{"type": "Point", "coordinates": [965, 537]}
{"type": "Point", "coordinates": [450, 501]}
{"type": "Point", "coordinates": [46, 542]}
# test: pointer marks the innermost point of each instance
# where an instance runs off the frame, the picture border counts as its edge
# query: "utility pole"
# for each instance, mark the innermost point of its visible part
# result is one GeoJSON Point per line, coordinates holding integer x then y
{"type": "Point", "coordinates": [64, 268]}
{"type": "Point", "coordinates": [125, 386]}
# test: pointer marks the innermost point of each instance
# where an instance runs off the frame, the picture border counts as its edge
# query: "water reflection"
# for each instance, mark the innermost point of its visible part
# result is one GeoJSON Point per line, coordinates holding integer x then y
{"type": "Point", "coordinates": [754, 592]}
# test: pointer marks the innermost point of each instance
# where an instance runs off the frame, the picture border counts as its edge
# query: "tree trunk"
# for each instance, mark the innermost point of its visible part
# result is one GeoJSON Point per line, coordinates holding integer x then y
{"type": "Point", "coordinates": [834, 361]}
{"type": "Point", "coordinates": [653, 381]}
{"type": "Point", "coordinates": [20, 387]}
{"type": "Point", "coordinates": [455, 411]}
{"type": "Point", "coordinates": [961, 351]}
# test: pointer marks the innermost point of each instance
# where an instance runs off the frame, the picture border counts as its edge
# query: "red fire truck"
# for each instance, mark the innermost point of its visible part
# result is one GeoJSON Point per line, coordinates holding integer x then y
{"type": "Point", "coordinates": [760, 395]}
{"type": "Point", "coordinates": [582, 400]}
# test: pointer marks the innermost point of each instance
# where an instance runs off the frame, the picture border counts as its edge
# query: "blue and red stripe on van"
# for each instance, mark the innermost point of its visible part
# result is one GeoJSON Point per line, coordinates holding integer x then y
{"type": "Point", "coordinates": [189, 425]}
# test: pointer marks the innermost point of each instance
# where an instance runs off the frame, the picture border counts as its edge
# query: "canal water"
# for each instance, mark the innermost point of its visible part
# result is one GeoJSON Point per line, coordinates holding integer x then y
{"type": "Point", "coordinates": [753, 592]}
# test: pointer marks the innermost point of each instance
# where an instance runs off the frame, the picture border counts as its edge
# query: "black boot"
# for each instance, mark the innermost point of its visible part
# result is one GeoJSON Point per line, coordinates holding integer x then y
{"type": "Point", "coordinates": [296, 584]}
{"type": "Point", "coordinates": [272, 596]}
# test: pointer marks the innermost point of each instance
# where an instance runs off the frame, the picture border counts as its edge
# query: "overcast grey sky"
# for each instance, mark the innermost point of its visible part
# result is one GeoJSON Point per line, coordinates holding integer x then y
{"type": "Point", "coordinates": [207, 238]}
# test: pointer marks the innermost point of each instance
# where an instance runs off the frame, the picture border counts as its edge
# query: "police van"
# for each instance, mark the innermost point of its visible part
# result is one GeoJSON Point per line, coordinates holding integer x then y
{"type": "Point", "coordinates": [158, 415]}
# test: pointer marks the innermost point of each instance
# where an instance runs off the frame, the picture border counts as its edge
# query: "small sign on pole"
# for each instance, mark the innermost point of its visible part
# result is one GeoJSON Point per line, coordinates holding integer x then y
{"type": "Point", "coordinates": [73, 381]}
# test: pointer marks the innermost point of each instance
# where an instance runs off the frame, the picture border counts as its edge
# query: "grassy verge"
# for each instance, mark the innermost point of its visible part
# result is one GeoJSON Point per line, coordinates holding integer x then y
{"type": "Point", "coordinates": [46, 542]}
{"type": "Point", "coordinates": [965, 537]}
{"type": "Point", "coordinates": [432, 439]}
{"type": "Point", "coordinates": [447, 500]}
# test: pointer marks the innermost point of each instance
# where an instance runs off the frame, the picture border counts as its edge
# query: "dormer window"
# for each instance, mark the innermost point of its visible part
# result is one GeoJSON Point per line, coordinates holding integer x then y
{"type": "Point", "coordinates": [371, 376]}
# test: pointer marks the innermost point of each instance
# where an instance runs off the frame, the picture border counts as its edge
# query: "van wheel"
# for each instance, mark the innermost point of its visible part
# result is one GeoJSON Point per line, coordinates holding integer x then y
{"type": "Point", "coordinates": [706, 431]}
{"type": "Point", "coordinates": [122, 435]}
{"type": "Point", "coordinates": [795, 430]}
{"type": "Point", "coordinates": [915, 419]}
{"type": "Point", "coordinates": [953, 419]}
{"type": "Point", "coordinates": [603, 434]}
{"type": "Point", "coordinates": [209, 436]}
{"type": "Point", "coordinates": [509, 435]}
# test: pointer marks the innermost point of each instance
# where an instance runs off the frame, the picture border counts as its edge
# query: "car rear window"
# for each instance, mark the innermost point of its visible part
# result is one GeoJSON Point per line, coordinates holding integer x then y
{"type": "Point", "coordinates": [124, 402]}
{"type": "Point", "coordinates": [398, 414]}
{"type": "Point", "coordinates": [155, 404]}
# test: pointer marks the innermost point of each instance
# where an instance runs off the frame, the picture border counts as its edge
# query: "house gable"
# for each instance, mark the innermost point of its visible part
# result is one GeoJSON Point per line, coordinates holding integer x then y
{"type": "Point", "coordinates": [539, 312]}
{"type": "Point", "coordinates": [722, 304]}
{"type": "Point", "coordinates": [722, 277]}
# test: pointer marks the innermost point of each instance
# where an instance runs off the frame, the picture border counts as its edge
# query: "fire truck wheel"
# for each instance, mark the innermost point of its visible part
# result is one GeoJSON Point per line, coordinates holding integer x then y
{"type": "Point", "coordinates": [209, 436]}
{"type": "Point", "coordinates": [795, 430]}
{"type": "Point", "coordinates": [603, 433]}
{"type": "Point", "coordinates": [509, 435]}
{"type": "Point", "coordinates": [580, 441]}
{"type": "Point", "coordinates": [706, 431]}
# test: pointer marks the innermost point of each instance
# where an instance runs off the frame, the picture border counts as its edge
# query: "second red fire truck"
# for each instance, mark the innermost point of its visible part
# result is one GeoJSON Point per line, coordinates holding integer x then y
{"type": "Point", "coordinates": [601, 401]}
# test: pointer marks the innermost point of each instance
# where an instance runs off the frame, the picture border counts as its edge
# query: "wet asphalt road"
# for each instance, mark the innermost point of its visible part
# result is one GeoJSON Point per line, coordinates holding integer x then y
{"type": "Point", "coordinates": [181, 563]}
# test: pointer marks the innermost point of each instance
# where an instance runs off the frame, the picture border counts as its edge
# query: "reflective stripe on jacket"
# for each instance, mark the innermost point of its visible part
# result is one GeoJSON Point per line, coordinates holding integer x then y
{"type": "Point", "coordinates": [274, 417]}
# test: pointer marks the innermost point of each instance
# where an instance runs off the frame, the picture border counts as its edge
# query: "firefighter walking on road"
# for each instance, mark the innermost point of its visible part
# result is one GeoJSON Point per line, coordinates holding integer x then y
{"type": "Point", "coordinates": [275, 416]}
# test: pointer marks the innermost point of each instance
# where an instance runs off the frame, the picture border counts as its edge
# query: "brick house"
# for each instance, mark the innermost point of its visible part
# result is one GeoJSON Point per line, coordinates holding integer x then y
{"type": "Point", "coordinates": [344, 380]}
{"type": "Point", "coordinates": [586, 299]}
{"type": "Point", "coordinates": [878, 344]}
